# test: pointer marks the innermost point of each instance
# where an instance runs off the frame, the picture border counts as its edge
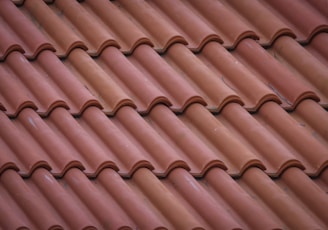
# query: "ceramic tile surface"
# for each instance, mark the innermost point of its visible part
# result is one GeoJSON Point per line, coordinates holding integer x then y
{"type": "Point", "coordinates": [177, 114]}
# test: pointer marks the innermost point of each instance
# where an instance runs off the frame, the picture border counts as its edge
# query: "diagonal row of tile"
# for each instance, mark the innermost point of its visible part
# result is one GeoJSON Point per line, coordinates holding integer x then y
{"type": "Point", "coordinates": [118, 140]}
{"type": "Point", "coordinates": [176, 202]}
{"type": "Point", "coordinates": [250, 75]}
{"type": "Point", "coordinates": [272, 139]}
{"type": "Point", "coordinates": [56, 26]}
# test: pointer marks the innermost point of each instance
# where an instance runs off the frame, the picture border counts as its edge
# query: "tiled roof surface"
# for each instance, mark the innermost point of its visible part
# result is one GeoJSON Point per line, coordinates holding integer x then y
{"type": "Point", "coordinates": [175, 114]}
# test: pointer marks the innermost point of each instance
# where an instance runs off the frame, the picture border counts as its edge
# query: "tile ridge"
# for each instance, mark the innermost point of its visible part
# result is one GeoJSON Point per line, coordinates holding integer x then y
{"type": "Point", "coordinates": [39, 164]}
{"type": "Point", "coordinates": [177, 39]}
{"type": "Point", "coordinates": [8, 165]}
{"type": "Point", "coordinates": [138, 165]}
{"type": "Point", "coordinates": [268, 97]}
{"type": "Point", "coordinates": [10, 49]}
{"type": "Point", "coordinates": [174, 165]}
{"type": "Point", "coordinates": [158, 100]}
{"type": "Point", "coordinates": [110, 96]}
{"type": "Point", "coordinates": [204, 41]}
{"type": "Point", "coordinates": [305, 96]}
{"type": "Point", "coordinates": [285, 166]}
{"type": "Point", "coordinates": [254, 163]}
{"type": "Point", "coordinates": [139, 42]}
{"type": "Point", "coordinates": [246, 34]}
{"type": "Point", "coordinates": [20, 33]}
{"type": "Point", "coordinates": [208, 167]}
{"type": "Point", "coordinates": [20, 108]}
{"type": "Point", "coordinates": [190, 101]}
{"type": "Point", "coordinates": [280, 33]}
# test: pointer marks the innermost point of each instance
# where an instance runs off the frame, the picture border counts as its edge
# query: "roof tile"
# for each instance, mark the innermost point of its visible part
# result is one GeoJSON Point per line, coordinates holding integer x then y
{"type": "Point", "coordinates": [228, 25]}
{"type": "Point", "coordinates": [169, 141]}
{"type": "Point", "coordinates": [271, 72]}
{"type": "Point", "coordinates": [306, 67]}
{"type": "Point", "coordinates": [84, 25]}
{"type": "Point", "coordinates": [131, 79]}
{"type": "Point", "coordinates": [22, 85]}
{"type": "Point", "coordinates": [311, 151]}
{"type": "Point", "coordinates": [14, 155]}
{"type": "Point", "coordinates": [302, 17]}
{"type": "Point", "coordinates": [18, 33]}
{"type": "Point", "coordinates": [267, 25]}
{"type": "Point", "coordinates": [133, 143]}
{"type": "Point", "coordinates": [237, 76]}
{"type": "Point", "coordinates": [213, 89]}
{"type": "Point", "coordinates": [215, 135]}
{"type": "Point", "coordinates": [314, 117]}
{"type": "Point", "coordinates": [317, 47]}
{"type": "Point", "coordinates": [165, 202]}
{"type": "Point", "coordinates": [196, 31]}
{"type": "Point", "coordinates": [285, 205]}
{"type": "Point", "coordinates": [255, 136]}
{"type": "Point", "coordinates": [149, 21]}
{"type": "Point", "coordinates": [184, 141]}
{"type": "Point", "coordinates": [163, 114]}
{"type": "Point", "coordinates": [50, 25]}
{"type": "Point", "coordinates": [18, 195]}
{"type": "Point", "coordinates": [97, 81]}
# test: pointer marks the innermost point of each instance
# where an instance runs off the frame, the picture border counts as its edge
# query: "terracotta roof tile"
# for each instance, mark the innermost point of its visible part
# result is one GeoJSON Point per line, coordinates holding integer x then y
{"type": "Point", "coordinates": [234, 22]}
{"type": "Point", "coordinates": [215, 135]}
{"type": "Point", "coordinates": [161, 33]}
{"type": "Point", "coordinates": [19, 33]}
{"type": "Point", "coordinates": [213, 89]}
{"type": "Point", "coordinates": [286, 205]}
{"type": "Point", "coordinates": [305, 66]}
{"type": "Point", "coordinates": [303, 17]}
{"type": "Point", "coordinates": [317, 49]}
{"type": "Point", "coordinates": [271, 73]}
{"type": "Point", "coordinates": [260, 19]}
{"type": "Point", "coordinates": [48, 22]}
{"type": "Point", "coordinates": [311, 151]}
{"type": "Point", "coordinates": [163, 114]}
{"type": "Point", "coordinates": [252, 91]}
{"type": "Point", "coordinates": [98, 81]}
{"type": "Point", "coordinates": [42, 84]}
{"type": "Point", "coordinates": [163, 141]}
{"type": "Point", "coordinates": [174, 202]}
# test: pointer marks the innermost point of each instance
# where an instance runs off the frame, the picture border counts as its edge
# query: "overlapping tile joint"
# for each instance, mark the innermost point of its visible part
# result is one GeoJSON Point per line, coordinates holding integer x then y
{"type": "Point", "coordinates": [175, 114]}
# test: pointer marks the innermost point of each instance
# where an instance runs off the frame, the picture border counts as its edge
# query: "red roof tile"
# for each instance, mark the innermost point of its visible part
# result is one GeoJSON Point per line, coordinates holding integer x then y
{"type": "Point", "coordinates": [178, 201]}
{"type": "Point", "coordinates": [19, 33]}
{"type": "Point", "coordinates": [42, 84]}
{"type": "Point", "coordinates": [163, 114]}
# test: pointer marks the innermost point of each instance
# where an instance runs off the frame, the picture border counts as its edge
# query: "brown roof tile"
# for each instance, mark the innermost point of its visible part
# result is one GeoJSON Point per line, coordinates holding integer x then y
{"type": "Point", "coordinates": [312, 152]}
{"type": "Point", "coordinates": [97, 81]}
{"type": "Point", "coordinates": [260, 19]}
{"type": "Point", "coordinates": [19, 33]}
{"type": "Point", "coordinates": [63, 38]}
{"type": "Point", "coordinates": [286, 206]}
{"type": "Point", "coordinates": [42, 84]}
{"type": "Point", "coordinates": [303, 17]}
{"type": "Point", "coordinates": [271, 73]}
{"type": "Point", "coordinates": [163, 114]}
{"type": "Point", "coordinates": [305, 66]}
{"type": "Point", "coordinates": [235, 75]}
{"type": "Point", "coordinates": [178, 201]}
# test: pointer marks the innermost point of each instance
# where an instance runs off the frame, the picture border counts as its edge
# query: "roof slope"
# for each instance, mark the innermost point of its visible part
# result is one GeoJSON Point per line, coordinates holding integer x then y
{"type": "Point", "coordinates": [167, 114]}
